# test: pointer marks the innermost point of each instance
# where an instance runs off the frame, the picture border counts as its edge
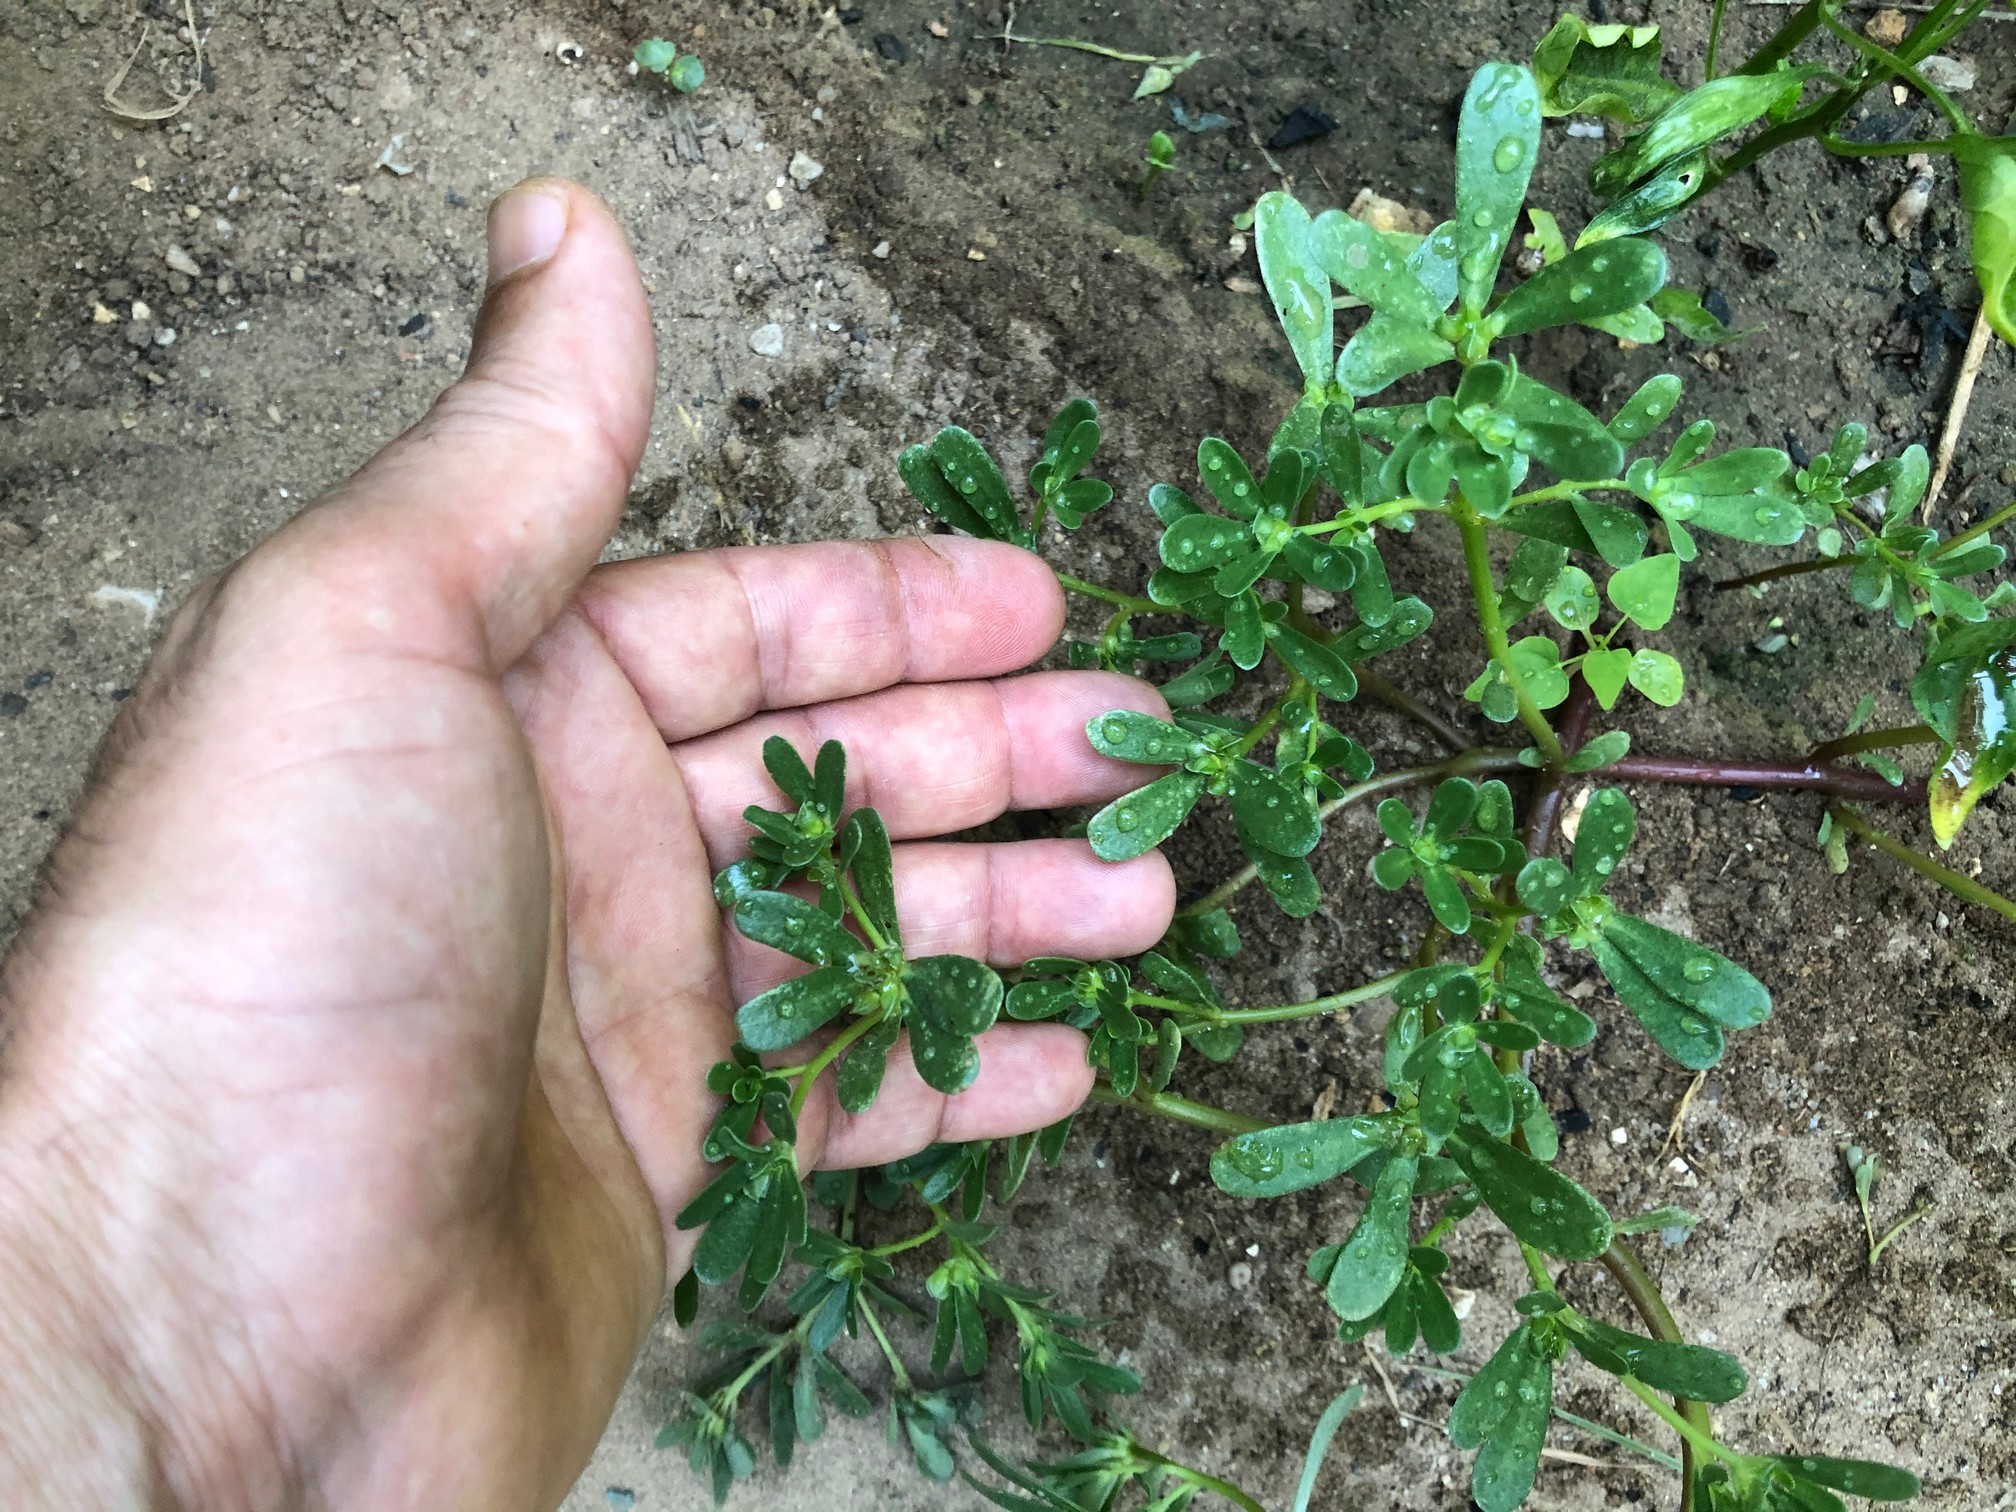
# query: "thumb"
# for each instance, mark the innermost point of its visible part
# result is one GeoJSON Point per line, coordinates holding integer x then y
{"type": "Point", "coordinates": [469, 533]}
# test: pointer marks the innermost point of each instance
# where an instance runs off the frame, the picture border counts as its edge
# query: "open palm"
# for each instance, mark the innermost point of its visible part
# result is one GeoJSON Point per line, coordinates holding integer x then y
{"type": "Point", "coordinates": [357, 1045]}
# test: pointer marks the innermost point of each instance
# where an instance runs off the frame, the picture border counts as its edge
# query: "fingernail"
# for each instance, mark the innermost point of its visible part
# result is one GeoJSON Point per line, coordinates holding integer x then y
{"type": "Point", "coordinates": [526, 226]}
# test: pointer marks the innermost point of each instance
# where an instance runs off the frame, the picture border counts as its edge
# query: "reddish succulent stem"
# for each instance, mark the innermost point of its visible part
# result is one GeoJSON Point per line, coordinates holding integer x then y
{"type": "Point", "coordinates": [1838, 782]}
{"type": "Point", "coordinates": [1785, 570]}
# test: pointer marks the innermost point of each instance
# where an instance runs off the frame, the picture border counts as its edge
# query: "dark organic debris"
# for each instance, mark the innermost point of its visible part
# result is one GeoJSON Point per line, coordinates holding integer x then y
{"type": "Point", "coordinates": [1305, 123]}
{"type": "Point", "coordinates": [892, 47]}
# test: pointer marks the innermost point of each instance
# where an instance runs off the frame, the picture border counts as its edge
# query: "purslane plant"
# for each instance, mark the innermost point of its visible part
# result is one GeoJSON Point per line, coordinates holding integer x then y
{"type": "Point", "coordinates": [1600, 518]}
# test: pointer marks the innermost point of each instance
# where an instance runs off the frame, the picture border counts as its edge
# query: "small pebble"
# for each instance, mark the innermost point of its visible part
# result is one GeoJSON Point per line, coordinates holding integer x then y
{"type": "Point", "coordinates": [1949, 73]}
{"type": "Point", "coordinates": [182, 262]}
{"type": "Point", "coordinates": [1887, 28]}
{"type": "Point", "coordinates": [767, 340]}
{"type": "Point", "coordinates": [1240, 1276]}
{"type": "Point", "coordinates": [805, 168]}
{"type": "Point", "coordinates": [881, 249]}
{"type": "Point", "coordinates": [1590, 129]}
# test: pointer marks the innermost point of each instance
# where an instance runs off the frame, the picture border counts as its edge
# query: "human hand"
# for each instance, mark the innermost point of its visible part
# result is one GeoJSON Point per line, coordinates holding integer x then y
{"type": "Point", "coordinates": [355, 1051]}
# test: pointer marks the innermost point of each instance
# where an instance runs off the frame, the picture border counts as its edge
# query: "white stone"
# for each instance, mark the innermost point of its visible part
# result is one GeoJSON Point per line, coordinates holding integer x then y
{"type": "Point", "coordinates": [767, 340]}
{"type": "Point", "coordinates": [805, 168]}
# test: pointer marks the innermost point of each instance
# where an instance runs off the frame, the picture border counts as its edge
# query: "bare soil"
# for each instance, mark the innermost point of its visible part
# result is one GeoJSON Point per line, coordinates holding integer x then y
{"type": "Point", "coordinates": [332, 299]}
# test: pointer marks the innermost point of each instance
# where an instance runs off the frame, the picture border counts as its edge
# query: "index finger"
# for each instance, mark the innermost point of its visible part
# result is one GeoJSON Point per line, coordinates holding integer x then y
{"type": "Point", "coordinates": [710, 638]}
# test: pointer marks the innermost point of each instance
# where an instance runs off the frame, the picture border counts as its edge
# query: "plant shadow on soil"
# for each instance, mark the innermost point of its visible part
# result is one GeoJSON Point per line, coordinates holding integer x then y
{"type": "Point", "coordinates": [126, 463]}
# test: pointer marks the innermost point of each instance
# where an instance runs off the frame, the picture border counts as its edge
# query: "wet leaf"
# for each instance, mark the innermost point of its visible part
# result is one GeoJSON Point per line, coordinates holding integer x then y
{"type": "Point", "coordinates": [1503, 1413]}
{"type": "Point", "coordinates": [1692, 1371]}
{"type": "Point", "coordinates": [797, 928]}
{"type": "Point", "coordinates": [1290, 267]}
{"type": "Point", "coordinates": [1608, 824]}
{"type": "Point", "coordinates": [1857, 1477]}
{"type": "Point", "coordinates": [1323, 669]}
{"type": "Point", "coordinates": [1385, 350]}
{"type": "Point", "coordinates": [1534, 1200]}
{"type": "Point", "coordinates": [1697, 119]}
{"type": "Point", "coordinates": [788, 1012]}
{"type": "Point", "coordinates": [1290, 1157]}
{"type": "Point", "coordinates": [1645, 591]}
{"type": "Point", "coordinates": [1988, 193]}
{"type": "Point", "coordinates": [1982, 748]}
{"type": "Point", "coordinates": [1594, 281]}
{"type": "Point", "coordinates": [1135, 824]}
{"type": "Point", "coordinates": [970, 471]}
{"type": "Point", "coordinates": [1371, 266]}
{"type": "Point", "coordinates": [1374, 1258]}
{"type": "Point", "coordinates": [1497, 137]}
{"type": "Point", "coordinates": [1129, 736]}
{"type": "Point", "coordinates": [1658, 676]}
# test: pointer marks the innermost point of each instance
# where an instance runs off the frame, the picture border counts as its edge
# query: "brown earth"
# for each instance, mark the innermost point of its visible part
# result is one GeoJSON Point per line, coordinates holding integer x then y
{"type": "Point", "coordinates": [332, 299]}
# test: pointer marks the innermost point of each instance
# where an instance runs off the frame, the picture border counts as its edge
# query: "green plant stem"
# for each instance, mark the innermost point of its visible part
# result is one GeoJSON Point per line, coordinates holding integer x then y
{"type": "Point", "coordinates": [900, 1376]}
{"type": "Point", "coordinates": [913, 1242]}
{"type": "Point", "coordinates": [1798, 26]}
{"type": "Point", "coordinates": [860, 911]}
{"type": "Point", "coordinates": [1474, 761]}
{"type": "Point", "coordinates": [1960, 886]}
{"type": "Point", "coordinates": [1890, 62]}
{"type": "Point", "coordinates": [1842, 147]}
{"type": "Point", "coordinates": [1692, 1436]}
{"type": "Point", "coordinates": [1484, 596]}
{"type": "Point", "coordinates": [1127, 601]}
{"type": "Point", "coordinates": [1874, 740]}
{"type": "Point", "coordinates": [834, 1047]}
{"type": "Point", "coordinates": [1536, 1266]}
{"type": "Point", "coordinates": [1278, 1013]}
{"type": "Point", "coordinates": [1569, 491]}
{"type": "Point", "coordinates": [1783, 570]}
{"type": "Point", "coordinates": [1197, 1478]}
{"type": "Point", "coordinates": [2001, 516]}
{"type": "Point", "coordinates": [1625, 1268]}
{"type": "Point", "coordinates": [1168, 1105]}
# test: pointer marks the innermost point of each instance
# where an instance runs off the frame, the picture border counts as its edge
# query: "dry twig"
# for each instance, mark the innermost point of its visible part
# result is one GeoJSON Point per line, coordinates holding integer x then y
{"type": "Point", "coordinates": [181, 101]}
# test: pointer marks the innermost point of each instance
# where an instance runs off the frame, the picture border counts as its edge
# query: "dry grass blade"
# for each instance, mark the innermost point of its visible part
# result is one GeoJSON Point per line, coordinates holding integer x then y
{"type": "Point", "coordinates": [180, 101]}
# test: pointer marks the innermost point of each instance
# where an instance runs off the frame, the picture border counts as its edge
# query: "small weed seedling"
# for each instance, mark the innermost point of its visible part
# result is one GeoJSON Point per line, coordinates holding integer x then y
{"type": "Point", "coordinates": [1161, 158]}
{"type": "Point", "coordinates": [683, 71]}
{"type": "Point", "coordinates": [1864, 1170]}
{"type": "Point", "coordinates": [1575, 531]}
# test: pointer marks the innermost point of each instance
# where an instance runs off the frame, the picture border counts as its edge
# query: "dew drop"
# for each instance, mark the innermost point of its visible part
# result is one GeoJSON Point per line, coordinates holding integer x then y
{"type": "Point", "coordinates": [967, 485]}
{"type": "Point", "coordinates": [1601, 264]}
{"type": "Point", "coordinates": [1605, 865]}
{"type": "Point", "coordinates": [786, 1010]}
{"type": "Point", "coordinates": [1502, 1389]}
{"type": "Point", "coordinates": [1215, 463]}
{"type": "Point", "coordinates": [1483, 220]}
{"type": "Point", "coordinates": [1239, 490]}
{"type": "Point", "coordinates": [1579, 292]}
{"type": "Point", "coordinates": [1115, 730]}
{"type": "Point", "coordinates": [1511, 152]}
{"type": "Point", "coordinates": [1538, 1205]}
{"type": "Point", "coordinates": [1306, 1159]}
{"type": "Point", "coordinates": [794, 926]}
{"type": "Point", "coordinates": [1694, 1025]}
{"type": "Point", "coordinates": [1126, 820]}
{"type": "Point", "coordinates": [1698, 970]}
{"type": "Point", "coordinates": [1765, 514]}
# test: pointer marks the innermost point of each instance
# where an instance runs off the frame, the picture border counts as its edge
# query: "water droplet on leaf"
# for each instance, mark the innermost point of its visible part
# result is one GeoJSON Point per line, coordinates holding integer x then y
{"type": "Point", "coordinates": [1698, 970]}
{"type": "Point", "coordinates": [1510, 153]}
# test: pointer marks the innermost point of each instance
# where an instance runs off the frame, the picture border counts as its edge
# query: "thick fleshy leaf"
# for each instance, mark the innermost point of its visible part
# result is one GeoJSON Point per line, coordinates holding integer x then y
{"type": "Point", "coordinates": [1572, 597]}
{"type": "Point", "coordinates": [1607, 70]}
{"type": "Point", "coordinates": [727, 1241]}
{"type": "Point", "coordinates": [1647, 409]}
{"type": "Point", "coordinates": [1503, 1413]}
{"type": "Point", "coordinates": [1560, 434]}
{"type": "Point", "coordinates": [1321, 563]}
{"type": "Point", "coordinates": [1373, 268]}
{"type": "Point", "coordinates": [1408, 619]}
{"type": "Point", "coordinates": [791, 1010]}
{"type": "Point", "coordinates": [1289, 880]}
{"type": "Point", "coordinates": [1343, 455]}
{"type": "Point", "coordinates": [1135, 824]}
{"type": "Point", "coordinates": [1692, 1371]}
{"type": "Point", "coordinates": [1988, 194]}
{"type": "Point", "coordinates": [1296, 282]}
{"type": "Point", "coordinates": [1497, 137]}
{"type": "Point", "coordinates": [1608, 824]}
{"type": "Point", "coordinates": [1697, 119]}
{"type": "Point", "coordinates": [1534, 1200]}
{"type": "Point", "coordinates": [1245, 637]}
{"type": "Point", "coordinates": [1607, 670]}
{"type": "Point", "coordinates": [795, 927]}
{"type": "Point", "coordinates": [1589, 283]}
{"type": "Point", "coordinates": [918, 468]}
{"type": "Point", "coordinates": [787, 769]}
{"type": "Point", "coordinates": [873, 871]}
{"type": "Point", "coordinates": [1524, 994]}
{"type": "Point", "coordinates": [1242, 572]}
{"type": "Point", "coordinates": [947, 1062]}
{"type": "Point", "coordinates": [1228, 478]}
{"type": "Point", "coordinates": [1289, 1157]}
{"type": "Point", "coordinates": [1689, 1037]}
{"type": "Point", "coordinates": [971, 472]}
{"type": "Point", "coordinates": [860, 1075]}
{"type": "Point", "coordinates": [1385, 350]}
{"type": "Point", "coordinates": [1374, 1258]}
{"type": "Point", "coordinates": [1324, 670]}
{"type": "Point", "coordinates": [1545, 886]}
{"type": "Point", "coordinates": [1691, 974]}
{"type": "Point", "coordinates": [1207, 680]}
{"type": "Point", "coordinates": [1272, 810]}
{"type": "Point", "coordinates": [1130, 736]}
{"type": "Point", "coordinates": [952, 993]}
{"type": "Point", "coordinates": [1202, 542]}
